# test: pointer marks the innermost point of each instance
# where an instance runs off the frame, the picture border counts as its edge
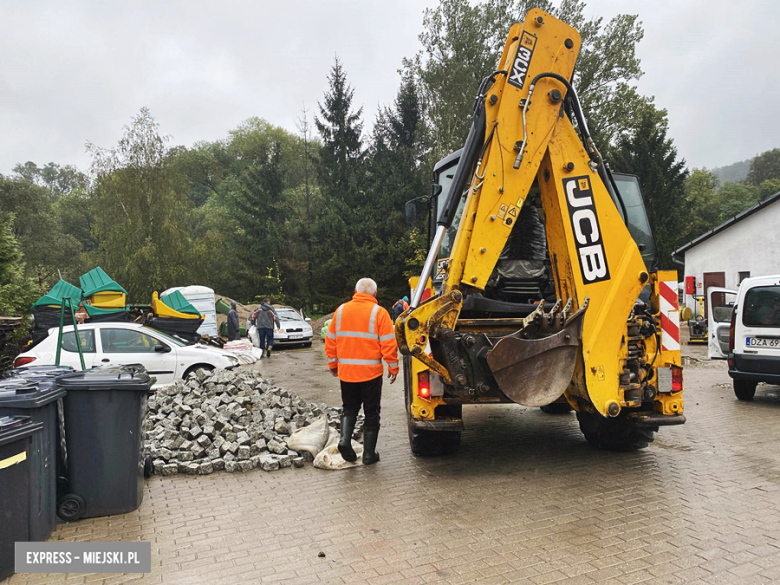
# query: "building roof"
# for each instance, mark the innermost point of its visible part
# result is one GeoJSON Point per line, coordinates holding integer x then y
{"type": "Point", "coordinates": [727, 224]}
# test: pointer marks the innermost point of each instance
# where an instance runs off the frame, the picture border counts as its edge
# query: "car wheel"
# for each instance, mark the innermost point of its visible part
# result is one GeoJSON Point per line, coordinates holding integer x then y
{"type": "Point", "coordinates": [195, 368]}
{"type": "Point", "coordinates": [745, 389]}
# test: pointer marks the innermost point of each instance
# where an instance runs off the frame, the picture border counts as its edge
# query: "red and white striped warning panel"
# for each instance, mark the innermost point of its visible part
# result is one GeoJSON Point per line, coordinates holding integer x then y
{"type": "Point", "coordinates": [670, 316]}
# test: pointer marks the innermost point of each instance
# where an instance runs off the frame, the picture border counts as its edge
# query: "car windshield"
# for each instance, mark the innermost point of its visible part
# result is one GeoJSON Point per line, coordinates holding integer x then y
{"type": "Point", "coordinates": [288, 315]}
{"type": "Point", "coordinates": [169, 338]}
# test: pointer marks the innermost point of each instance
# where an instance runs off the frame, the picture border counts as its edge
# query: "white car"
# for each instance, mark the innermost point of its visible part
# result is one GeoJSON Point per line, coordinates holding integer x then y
{"type": "Point", "coordinates": [164, 357]}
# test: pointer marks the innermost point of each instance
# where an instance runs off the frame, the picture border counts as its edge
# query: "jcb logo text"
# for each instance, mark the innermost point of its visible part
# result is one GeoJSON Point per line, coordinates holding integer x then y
{"type": "Point", "coordinates": [587, 234]}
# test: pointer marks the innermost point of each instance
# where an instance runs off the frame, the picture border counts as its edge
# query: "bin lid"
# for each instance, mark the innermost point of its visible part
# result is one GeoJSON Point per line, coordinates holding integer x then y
{"type": "Point", "coordinates": [28, 393]}
{"type": "Point", "coordinates": [127, 377]}
{"type": "Point", "coordinates": [14, 428]}
{"type": "Point", "coordinates": [38, 369]}
{"type": "Point", "coordinates": [58, 292]}
{"type": "Point", "coordinates": [96, 280]}
{"type": "Point", "coordinates": [179, 303]}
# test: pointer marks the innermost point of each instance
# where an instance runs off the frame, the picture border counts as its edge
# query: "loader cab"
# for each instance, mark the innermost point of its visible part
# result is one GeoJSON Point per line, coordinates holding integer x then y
{"type": "Point", "coordinates": [628, 190]}
{"type": "Point", "coordinates": [638, 222]}
{"type": "Point", "coordinates": [443, 174]}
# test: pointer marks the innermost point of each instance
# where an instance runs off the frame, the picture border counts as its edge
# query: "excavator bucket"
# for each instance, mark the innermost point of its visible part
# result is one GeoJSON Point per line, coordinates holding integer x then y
{"type": "Point", "coordinates": [534, 365]}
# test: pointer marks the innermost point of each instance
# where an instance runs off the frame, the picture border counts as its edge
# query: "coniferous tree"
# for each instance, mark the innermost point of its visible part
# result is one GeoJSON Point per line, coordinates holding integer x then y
{"type": "Point", "coordinates": [17, 292]}
{"type": "Point", "coordinates": [396, 176]}
{"type": "Point", "coordinates": [337, 263]}
{"type": "Point", "coordinates": [648, 153]}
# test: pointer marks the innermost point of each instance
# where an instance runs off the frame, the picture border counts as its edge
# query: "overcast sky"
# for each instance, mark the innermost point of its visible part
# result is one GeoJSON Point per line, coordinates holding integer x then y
{"type": "Point", "coordinates": [76, 71]}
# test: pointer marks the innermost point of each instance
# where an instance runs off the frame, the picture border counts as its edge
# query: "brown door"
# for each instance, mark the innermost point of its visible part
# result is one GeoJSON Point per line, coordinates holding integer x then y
{"type": "Point", "coordinates": [714, 279]}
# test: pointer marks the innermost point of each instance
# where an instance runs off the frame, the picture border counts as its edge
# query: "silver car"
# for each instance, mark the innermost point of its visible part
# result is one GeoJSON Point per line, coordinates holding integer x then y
{"type": "Point", "coordinates": [294, 330]}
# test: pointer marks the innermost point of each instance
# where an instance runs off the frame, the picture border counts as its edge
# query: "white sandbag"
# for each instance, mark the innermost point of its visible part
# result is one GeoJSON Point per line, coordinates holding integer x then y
{"type": "Point", "coordinates": [254, 336]}
{"type": "Point", "coordinates": [312, 438]}
{"type": "Point", "coordinates": [333, 438]}
{"type": "Point", "coordinates": [330, 458]}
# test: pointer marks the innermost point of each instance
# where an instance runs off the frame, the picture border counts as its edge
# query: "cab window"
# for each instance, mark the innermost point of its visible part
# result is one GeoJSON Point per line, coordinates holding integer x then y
{"type": "Point", "coordinates": [127, 341]}
{"type": "Point", "coordinates": [86, 338]}
{"type": "Point", "coordinates": [762, 307]}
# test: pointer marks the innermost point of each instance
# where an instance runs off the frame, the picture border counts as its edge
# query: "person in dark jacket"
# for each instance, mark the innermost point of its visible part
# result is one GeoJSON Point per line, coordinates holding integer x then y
{"type": "Point", "coordinates": [401, 306]}
{"type": "Point", "coordinates": [265, 318]}
{"type": "Point", "coordinates": [234, 331]}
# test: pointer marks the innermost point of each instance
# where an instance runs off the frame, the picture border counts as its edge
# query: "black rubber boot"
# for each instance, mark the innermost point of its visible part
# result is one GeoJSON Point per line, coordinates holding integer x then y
{"type": "Point", "coordinates": [345, 443]}
{"type": "Point", "coordinates": [268, 352]}
{"type": "Point", "coordinates": [370, 456]}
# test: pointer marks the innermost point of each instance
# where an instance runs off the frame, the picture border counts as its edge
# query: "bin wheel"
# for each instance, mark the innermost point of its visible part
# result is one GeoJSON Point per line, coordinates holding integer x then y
{"type": "Point", "coordinates": [148, 467]}
{"type": "Point", "coordinates": [71, 507]}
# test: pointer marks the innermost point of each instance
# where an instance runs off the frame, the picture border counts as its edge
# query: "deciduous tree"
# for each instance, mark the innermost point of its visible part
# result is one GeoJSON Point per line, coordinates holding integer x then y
{"type": "Point", "coordinates": [765, 166]}
{"type": "Point", "coordinates": [143, 215]}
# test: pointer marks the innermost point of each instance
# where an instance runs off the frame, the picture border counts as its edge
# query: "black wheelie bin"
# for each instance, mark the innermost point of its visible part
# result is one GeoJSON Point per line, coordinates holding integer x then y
{"type": "Point", "coordinates": [16, 437]}
{"type": "Point", "coordinates": [36, 395]}
{"type": "Point", "coordinates": [104, 414]}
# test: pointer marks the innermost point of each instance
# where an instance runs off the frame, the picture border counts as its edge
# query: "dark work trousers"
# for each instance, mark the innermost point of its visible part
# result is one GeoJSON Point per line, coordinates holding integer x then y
{"type": "Point", "coordinates": [369, 394]}
{"type": "Point", "coordinates": [265, 334]}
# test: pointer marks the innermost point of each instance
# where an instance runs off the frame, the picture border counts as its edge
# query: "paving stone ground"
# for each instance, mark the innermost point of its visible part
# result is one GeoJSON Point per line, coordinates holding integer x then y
{"type": "Point", "coordinates": [525, 501]}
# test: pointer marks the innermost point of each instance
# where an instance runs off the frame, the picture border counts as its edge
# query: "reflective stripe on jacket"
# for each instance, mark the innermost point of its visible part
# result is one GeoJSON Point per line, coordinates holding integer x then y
{"type": "Point", "coordinates": [359, 336]}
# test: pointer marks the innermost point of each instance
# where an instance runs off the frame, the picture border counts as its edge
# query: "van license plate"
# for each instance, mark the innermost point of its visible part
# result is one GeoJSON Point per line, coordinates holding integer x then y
{"type": "Point", "coordinates": [296, 336]}
{"type": "Point", "coordinates": [762, 342]}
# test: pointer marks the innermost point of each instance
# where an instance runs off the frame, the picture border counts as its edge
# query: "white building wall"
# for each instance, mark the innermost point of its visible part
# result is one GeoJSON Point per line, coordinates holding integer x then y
{"type": "Point", "coordinates": [750, 245]}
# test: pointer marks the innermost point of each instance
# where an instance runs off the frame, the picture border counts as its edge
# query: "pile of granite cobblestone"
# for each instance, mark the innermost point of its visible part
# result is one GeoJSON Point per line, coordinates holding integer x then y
{"type": "Point", "coordinates": [235, 420]}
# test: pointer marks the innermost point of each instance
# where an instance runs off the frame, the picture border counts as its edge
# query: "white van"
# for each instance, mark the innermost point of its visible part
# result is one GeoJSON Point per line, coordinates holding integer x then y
{"type": "Point", "coordinates": [754, 335]}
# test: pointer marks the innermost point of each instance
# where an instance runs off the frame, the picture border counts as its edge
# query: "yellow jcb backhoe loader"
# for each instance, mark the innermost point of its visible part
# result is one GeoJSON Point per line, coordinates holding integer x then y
{"type": "Point", "coordinates": [541, 285]}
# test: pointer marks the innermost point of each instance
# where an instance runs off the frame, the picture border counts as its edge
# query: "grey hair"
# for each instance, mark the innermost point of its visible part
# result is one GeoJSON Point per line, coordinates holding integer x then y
{"type": "Point", "coordinates": [366, 285]}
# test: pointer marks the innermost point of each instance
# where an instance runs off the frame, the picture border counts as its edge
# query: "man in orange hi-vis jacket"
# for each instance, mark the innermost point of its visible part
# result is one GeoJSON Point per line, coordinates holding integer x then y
{"type": "Point", "coordinates": [359, 336]}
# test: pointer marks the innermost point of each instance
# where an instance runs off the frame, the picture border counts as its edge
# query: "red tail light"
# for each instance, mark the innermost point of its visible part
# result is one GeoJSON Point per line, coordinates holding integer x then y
{"type": "Point", "coordinates": [23, 361]}
{"type": "Point", "coordinates": [423, 385]}
{"type": "Point", "coordinates": [732, 326]}
{"type": "Point", "coordinates": [677, 379]}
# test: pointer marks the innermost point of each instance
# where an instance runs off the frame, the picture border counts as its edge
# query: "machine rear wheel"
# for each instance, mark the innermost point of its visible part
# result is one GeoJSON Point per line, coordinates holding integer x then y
{"type": "Point", "coordinates": [432, 443]}
{"type": "Point", "coordinates": [429, 443]}
{"type": "Point", "coordinates": [744, 389]}
{"type": "Point", "coordinates": [556, 408]}
{"type": "Point", "coordinates": [614, 434]}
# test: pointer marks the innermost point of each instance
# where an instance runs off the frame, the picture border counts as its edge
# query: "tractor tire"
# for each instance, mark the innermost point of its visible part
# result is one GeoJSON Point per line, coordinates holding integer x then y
{"type": "Point", "coordinates": [614, 434]}
{"type": "Point", "coordinates": [745, 389]}
{"type": "Point", "coordinates": [429, 443]}
{"type": "Point", "coordinates": [434, 443]}
{"type": "Point", "coordinates": [556, 408]}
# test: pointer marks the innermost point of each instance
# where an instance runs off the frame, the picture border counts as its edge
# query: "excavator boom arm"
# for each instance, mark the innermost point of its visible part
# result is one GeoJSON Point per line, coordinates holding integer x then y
{"type": "Point", "coordinates": [522, 135]}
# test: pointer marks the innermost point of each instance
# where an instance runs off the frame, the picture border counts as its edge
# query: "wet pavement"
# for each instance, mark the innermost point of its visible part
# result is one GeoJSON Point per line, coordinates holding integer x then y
{"type": "Point", "coordinates": [526, 500]}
